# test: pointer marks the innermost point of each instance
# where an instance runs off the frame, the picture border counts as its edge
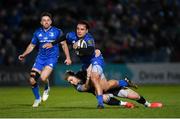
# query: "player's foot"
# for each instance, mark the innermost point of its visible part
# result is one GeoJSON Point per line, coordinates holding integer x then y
{"type": "Point", "coordinates": [129, 105]}
{"type": "Point", "coordinates": [37, 102]}
{"type": "Point", "coordinates": [100, 107]}
{"type": "Point", "coordinates": [45, 94]}
{"type": "Point", "coordinates": [130, 83]}
{"type": "Point", "coordinates": [156, 105]}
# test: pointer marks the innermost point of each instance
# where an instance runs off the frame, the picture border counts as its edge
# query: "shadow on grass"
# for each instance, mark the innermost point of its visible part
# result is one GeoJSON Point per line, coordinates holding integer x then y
{"type": "Point", "coordinates": [90, 108]}
{"type": "Point", "coordinates": [46, 108]}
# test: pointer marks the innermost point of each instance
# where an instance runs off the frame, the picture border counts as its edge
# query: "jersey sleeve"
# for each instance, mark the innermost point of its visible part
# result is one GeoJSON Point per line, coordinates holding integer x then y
{"type": "Point", "coordinates": [59, 33]}
{"type": "Point", "coordinates": [90, 42]}
{"type": "Point", "coordinates": [69, 38]}
{"type": "Point", "coordinates": [34, 40]}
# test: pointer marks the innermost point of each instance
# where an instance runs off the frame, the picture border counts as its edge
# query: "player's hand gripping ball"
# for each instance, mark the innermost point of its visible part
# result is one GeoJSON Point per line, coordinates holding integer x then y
{"type": "Point", "coordinates": [78, 45]}
{"type": "Point", "coordinates": [81, 44]}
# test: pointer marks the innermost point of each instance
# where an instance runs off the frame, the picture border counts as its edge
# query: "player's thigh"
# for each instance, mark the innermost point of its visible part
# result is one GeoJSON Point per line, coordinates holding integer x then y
{"type": "Point", "coordinates": [111, 84]}
{"type": "Point", "coordinates": [97, 71]}
{"type": "Point", "coordinates": [132, 94]}
{"type": "Point", "coordinates": [46, 72]}
{"type": "Point", "coordinates": [128, 93]}
{"type": "Point", "coordinates": [48, 67]}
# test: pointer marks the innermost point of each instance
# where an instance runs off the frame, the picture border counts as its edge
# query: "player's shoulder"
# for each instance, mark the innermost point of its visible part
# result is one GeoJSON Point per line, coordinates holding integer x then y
{"type": "Point", "coordinates": [38, 31]}
{"type": "Point", "coordinates": [56, 29]}
{"type": "Point", "coordinates": [71, 33]}
{"type": "Point", "coordinates": [89, 36]}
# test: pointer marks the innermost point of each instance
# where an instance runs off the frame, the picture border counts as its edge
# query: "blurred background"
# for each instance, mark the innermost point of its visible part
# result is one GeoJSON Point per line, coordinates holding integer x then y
{"type": "Point", "coordinates": [135, 36]}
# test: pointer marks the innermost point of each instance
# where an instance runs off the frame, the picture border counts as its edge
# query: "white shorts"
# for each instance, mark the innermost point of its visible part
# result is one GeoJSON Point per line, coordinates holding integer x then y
{"type": "Point", "coordinates": [98, 69]}
{"type": "Point", "coordinates": [123, 93]}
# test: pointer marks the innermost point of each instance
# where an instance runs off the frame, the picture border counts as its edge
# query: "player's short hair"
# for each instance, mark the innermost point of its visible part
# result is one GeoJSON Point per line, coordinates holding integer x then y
{"type": "Point", "coordinates": [46, 14]}
{"type": "Point", "coordinates": [84, 22]}
{"type": "Point", "coordinates": [69, 73]}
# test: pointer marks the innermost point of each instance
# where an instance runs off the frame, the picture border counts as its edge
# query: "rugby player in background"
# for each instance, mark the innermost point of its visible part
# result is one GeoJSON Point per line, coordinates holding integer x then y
{"type": "Point", "coordinates": [46, 58]}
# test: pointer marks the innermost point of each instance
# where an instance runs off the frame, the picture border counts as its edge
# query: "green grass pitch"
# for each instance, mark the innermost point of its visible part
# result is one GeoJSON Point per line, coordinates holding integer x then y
{"type": "Point", "coordinates": [68, 103]}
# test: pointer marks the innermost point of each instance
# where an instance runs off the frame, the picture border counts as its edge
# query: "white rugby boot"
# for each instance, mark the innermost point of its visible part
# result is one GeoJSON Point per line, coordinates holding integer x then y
{"type": "Point", "coordinates": [37, 102]}
{"type": "Point", "coordinates": [45, 94]}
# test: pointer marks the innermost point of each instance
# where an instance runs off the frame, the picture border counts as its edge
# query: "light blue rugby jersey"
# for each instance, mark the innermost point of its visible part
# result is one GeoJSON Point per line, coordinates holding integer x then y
{"type": "Point", "coordinates": [41, 37]}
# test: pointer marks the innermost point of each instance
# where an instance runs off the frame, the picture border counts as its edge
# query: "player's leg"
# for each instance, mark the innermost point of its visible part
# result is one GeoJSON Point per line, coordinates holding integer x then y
{"type": "Point", "coordinates": [95, 78]}
{"type": "Point", "coordinates": [44, 77]}
{"type": "Point", "coordinates": [110, 84]}
{"type": "Point", "coordinates": [110, 100]}
{"type": "Point", "coordinates": [120, 83]}
{"type": "Point", "coordinates": [34, 76]}
{"type": "Point", "coordinates": [49, 65]}
{"type": "Point", "coordinates": [131, 94]}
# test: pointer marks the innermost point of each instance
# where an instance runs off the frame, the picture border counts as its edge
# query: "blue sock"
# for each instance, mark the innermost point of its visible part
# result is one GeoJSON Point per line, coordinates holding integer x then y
{"type": "Point", "coordinates": [35, 90]}
{"type": "Point", "coordinates": [122, 83]}
{"type": "Point", "coordinates": [100, 99]}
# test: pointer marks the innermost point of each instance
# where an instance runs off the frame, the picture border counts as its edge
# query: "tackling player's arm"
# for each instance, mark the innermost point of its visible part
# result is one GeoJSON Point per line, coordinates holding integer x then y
{"type": "Point", "coordinates": [59, 40]}
{"type": "Point", "coordinates": [28, 50]}
{"type": "Point", "coordinates": [86, 51]}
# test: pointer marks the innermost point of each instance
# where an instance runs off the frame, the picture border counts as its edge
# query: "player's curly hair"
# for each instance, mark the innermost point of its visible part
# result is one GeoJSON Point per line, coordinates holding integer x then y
{"type": "Point", "coordinates": [69, 73]}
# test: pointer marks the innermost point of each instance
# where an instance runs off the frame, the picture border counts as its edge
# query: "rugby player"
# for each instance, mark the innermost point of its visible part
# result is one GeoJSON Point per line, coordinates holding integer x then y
{"type": "Point", "coordinates": [110, 89]}
{"type": "Point", "coordinates": [86, 55]}
{"type": "Point", "coordinates": [47, 57]}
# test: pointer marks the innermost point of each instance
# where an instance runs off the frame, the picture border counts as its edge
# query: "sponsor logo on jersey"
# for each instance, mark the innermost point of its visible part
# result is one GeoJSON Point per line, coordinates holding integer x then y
{"type": "Point", "coordinates": [40, 35]}
{"type": "Point", "coordinates": [45, 38]}
{"type": "Point", "coordinates": [51, 65]}
{"type": "Point", "coordinates": [90, 42]}
{"type": "Point", "coordinates": [51, 34]}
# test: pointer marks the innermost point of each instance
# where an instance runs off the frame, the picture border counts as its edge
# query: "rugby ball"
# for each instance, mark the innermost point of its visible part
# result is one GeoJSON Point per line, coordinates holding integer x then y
{"type": "Point", "coordinates": [81, 44]}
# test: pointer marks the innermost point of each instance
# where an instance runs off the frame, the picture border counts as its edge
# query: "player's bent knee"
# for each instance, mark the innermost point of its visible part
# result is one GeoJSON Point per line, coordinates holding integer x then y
{"type": "Point", "coordinates": [43, 79]}
{"type": "Point", "coordinates": [32, 81]}
{"type": "Point", "coordinates": [34, 76]}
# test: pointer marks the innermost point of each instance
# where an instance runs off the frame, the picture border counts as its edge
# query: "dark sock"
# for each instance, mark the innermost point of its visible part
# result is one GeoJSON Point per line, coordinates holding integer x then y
{"type": "Point", "coordinates": [113, 101]}
{"type": "Point", "coordinates": [141, 100]}
{"type": "Point", "coordinates": [46, 86]}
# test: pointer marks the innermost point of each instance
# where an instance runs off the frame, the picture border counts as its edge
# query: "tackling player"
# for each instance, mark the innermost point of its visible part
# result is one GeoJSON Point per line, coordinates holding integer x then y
{"type": "Point", "coordinates": [110, 89]}
{"type": "Point", "coordinates": [46, 58]}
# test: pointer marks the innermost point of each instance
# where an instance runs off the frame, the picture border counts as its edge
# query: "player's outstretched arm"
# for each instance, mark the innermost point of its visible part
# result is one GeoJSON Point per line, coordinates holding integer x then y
{"type": "Point", "coordinates": [28, 50]}
{"type": "Point", "coordinates": [66, 52]}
